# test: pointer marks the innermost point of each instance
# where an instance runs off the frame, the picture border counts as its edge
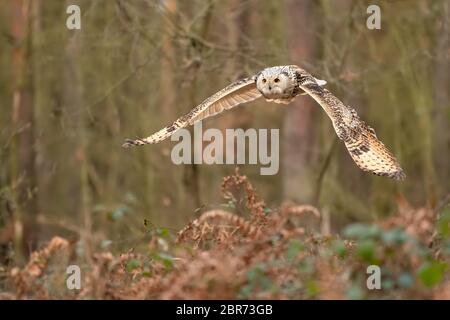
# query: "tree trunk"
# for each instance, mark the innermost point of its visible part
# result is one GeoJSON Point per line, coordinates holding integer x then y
{"type": "Point", "coordinates": [23, 153]}
{"type": "Point", "coordinates": [298, 120]}
{"type": "Point", "coordinates": [73, 101]}
{"type": "Point", "coordinates": [441, 95]}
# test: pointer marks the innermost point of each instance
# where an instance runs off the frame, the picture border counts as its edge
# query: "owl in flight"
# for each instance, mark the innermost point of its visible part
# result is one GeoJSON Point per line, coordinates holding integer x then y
{"type": "Point", "coordinates": [282, 84]}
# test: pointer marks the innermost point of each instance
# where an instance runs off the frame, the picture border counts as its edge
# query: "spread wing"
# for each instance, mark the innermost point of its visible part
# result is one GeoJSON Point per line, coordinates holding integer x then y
{"type": "Point", "coordinates": [233, 95]}
{"type": "Point", "coordinates": [367, 151]}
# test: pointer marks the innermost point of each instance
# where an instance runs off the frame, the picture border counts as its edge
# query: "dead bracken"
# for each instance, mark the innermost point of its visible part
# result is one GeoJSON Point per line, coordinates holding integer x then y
{"type": "Point", "coordinates": [251, 251]}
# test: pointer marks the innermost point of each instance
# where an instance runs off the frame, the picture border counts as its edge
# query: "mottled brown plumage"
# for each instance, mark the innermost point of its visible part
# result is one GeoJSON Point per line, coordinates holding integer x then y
{"type": "Point", "coordinates": [367, 151]}
{"type": "Point", "coordinates": [236, 93]}
{"type": "Point", "coordinates": [282, 84]}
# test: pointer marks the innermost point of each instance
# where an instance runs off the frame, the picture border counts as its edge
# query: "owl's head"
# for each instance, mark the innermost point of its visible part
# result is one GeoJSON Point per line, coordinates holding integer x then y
{"type": "Point", "coordinates": [275, 83]}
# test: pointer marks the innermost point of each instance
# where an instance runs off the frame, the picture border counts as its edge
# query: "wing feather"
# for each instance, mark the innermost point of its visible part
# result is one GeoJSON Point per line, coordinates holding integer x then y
{"type": "Point", "coordinates": [366, 150]}
{"type": "Point", "coordinates": [239, 92]}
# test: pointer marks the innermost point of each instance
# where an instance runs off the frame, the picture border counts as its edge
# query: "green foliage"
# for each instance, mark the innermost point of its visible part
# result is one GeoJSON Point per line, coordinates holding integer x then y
{"type": "Point", "coordinates": [132, 264]}
{"type": "Point", "coordinates": [257, 281]}
{"type": "Point", "coordinates": [294, 248]}
{"type": "Point", "coordinates": [340, 248]}
{"type": "Point", "coordinates": [444, 222]}
{"type": "Point", "coordinates": [431, 273]}
{"type": "Point", "coordinates": [362, 231]}
{"type": "Point", "coordinates": [405, 280]}
{"type": "Point", "coordinates": [355, 293]}
{"type": "Point", "coordinates": [165, 258]}
{"type": "Point", "coordinates": [366, 251]}
{"type": "Point", "coordinates": [394, 237]}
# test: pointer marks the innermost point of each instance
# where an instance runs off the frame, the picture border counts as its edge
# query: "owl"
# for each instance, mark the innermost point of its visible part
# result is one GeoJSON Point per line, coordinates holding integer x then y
{"type": "Point", "coordinates": [282, 84]}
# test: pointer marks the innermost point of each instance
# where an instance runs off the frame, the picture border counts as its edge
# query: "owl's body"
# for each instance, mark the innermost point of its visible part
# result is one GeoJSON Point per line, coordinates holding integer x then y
{"type": "Point", "coordinates": [282, 84]}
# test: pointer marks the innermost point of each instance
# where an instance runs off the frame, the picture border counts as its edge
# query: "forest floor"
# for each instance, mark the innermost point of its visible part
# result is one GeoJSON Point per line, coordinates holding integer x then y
{"type": "Point", "coordinates": [257, 254]}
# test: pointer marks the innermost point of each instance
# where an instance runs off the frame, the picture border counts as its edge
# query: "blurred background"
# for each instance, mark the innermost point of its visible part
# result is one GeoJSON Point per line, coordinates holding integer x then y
{"type": "Point", "coordinates": [69, 98]}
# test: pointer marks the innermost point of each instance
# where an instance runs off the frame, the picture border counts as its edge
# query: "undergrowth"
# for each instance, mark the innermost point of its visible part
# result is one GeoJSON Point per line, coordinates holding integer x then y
{"type": "Point", "coordinates": [247, 250]}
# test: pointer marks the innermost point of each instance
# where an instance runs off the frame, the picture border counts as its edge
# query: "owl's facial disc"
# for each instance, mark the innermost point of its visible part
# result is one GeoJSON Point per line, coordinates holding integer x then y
{"type": "Point", "coordinates": [274, 85]}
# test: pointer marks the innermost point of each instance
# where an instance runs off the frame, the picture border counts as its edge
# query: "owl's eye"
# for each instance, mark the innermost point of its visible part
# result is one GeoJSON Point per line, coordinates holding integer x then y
{"type": "Point", "coordinates": [264, 80]}
{"type": "Point", "coordinates": [276, 80]}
